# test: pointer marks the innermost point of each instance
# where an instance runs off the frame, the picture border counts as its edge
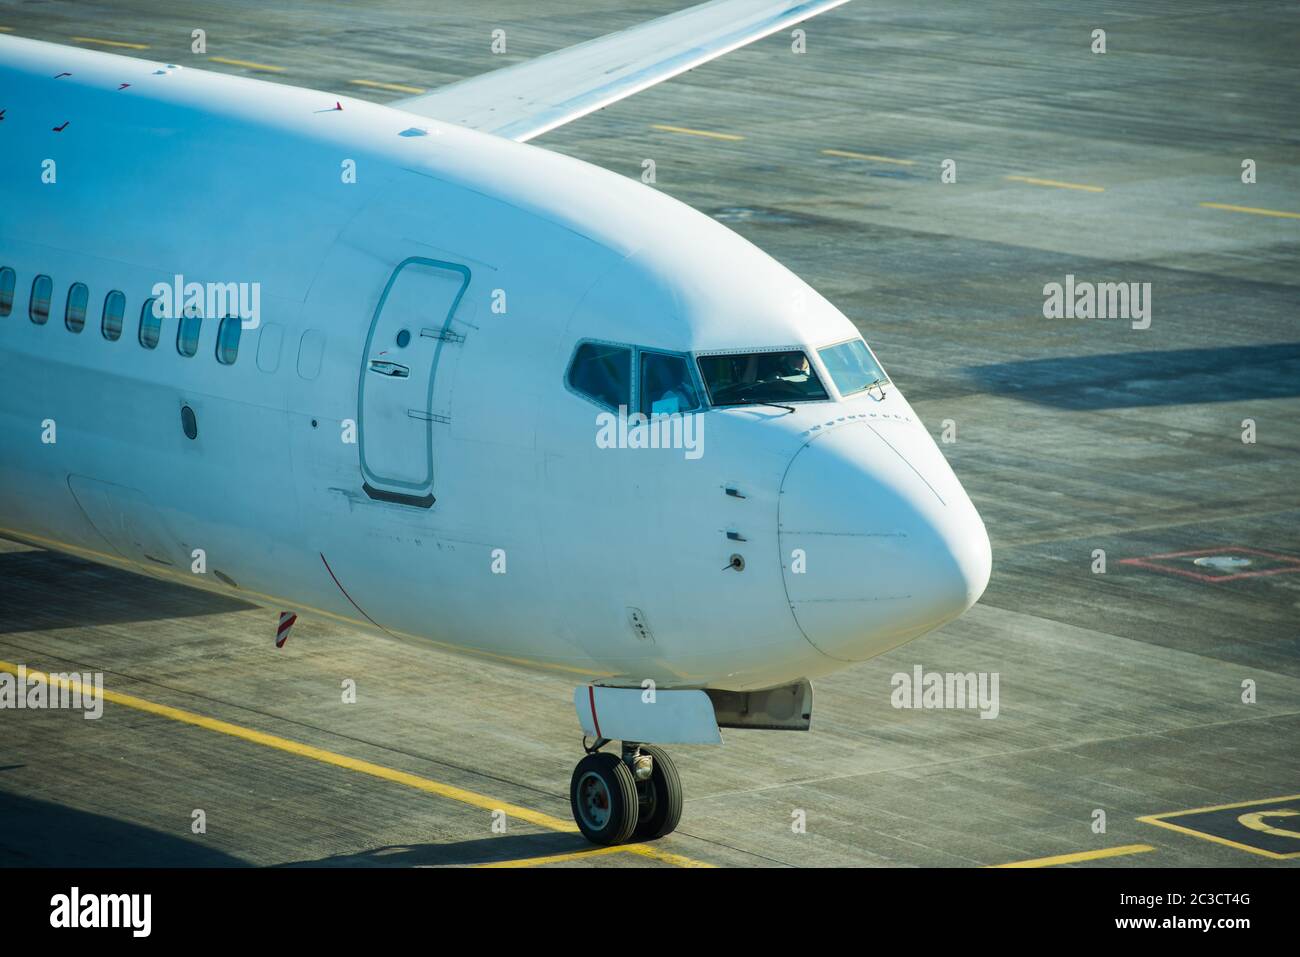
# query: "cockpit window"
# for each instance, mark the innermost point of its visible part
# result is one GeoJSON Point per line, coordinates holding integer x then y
{"type": "Point", "coordinates": [602, 372]}
{"type": "Point", "coordinates": [666, 385]}
{"type": "Point", "coordinates": [852, 367]}
{"type": "Point", "coordinates": [761, 377]}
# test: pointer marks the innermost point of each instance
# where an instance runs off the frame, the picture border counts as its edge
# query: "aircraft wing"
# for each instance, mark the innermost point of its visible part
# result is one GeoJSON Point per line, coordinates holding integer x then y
{"type": "Point", "coordinates": [528, 99]}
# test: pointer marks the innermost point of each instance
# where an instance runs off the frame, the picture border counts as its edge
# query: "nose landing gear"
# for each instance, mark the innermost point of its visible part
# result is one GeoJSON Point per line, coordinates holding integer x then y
{"type": "Point", "coordinates": [635, 796]}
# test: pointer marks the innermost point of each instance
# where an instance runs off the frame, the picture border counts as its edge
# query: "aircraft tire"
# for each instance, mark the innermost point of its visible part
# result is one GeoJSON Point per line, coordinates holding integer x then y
{"type": "Point", "coordinates": [660, 797]}
{"type": "Point", "coordinates": [603, 797]}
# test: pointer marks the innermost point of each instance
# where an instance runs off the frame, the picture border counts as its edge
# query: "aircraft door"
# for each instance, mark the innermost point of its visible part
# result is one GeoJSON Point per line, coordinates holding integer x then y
{"type": "Point", "coordinates": [409, 333]}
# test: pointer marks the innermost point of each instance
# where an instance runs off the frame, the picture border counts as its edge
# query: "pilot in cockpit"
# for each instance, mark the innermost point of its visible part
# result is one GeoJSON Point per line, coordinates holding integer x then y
{"type": "Point", "coordinates": [796, 367]}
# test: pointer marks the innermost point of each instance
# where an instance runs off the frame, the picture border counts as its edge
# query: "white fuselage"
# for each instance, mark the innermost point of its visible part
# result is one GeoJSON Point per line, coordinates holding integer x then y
{"type": "Point", "coordinates": [307, 485]}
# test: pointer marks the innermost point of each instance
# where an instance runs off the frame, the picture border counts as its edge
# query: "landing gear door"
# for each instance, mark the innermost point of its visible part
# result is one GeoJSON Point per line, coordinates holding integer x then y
{"type": "Point", "coordinates": [409, 334]}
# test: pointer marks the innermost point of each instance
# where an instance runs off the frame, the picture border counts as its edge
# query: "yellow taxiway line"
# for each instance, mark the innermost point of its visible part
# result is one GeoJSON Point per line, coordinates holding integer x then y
{"type": "Point", "coordinates": [686, 130]}
{"type": "Point", "coordinates": [247, 63]}
{"type": "Point", "coordinates": [554, 858]}
{"type": "Point", "coordinates": [1120, 851]}
{"type": "Point", "coordinates": [872, 157]}
{"type": "Point", "coordinates": [111, 43]}
{"type": "Point", "coordinates": [395, 87]}
{"type": "Point", "coordinates": [1158, 821]}
{"type": "Point", "coordinates": [1281, 214]}
{"type": "Point", "coordinates": [1055, 182]}
{"type": "Point", "coordinates": [427, 785]}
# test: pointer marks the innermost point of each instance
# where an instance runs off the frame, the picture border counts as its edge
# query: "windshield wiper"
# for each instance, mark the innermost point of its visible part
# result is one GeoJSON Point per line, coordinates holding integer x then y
{"type": "Point", "coordinates": [774, 405]}
{"type": "Point", "coordinates": [742, 391]}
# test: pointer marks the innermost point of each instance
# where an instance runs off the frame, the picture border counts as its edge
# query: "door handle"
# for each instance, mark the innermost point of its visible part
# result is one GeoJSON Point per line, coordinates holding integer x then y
{"type": "Point", "coordinates": [384, 367]}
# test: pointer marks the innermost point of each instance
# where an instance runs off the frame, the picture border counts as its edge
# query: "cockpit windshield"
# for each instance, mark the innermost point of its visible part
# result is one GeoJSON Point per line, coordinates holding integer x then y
{"type": "Point", "coordinates": [760, 378]}
{"type": "Point", "coordinates": [852, 367]}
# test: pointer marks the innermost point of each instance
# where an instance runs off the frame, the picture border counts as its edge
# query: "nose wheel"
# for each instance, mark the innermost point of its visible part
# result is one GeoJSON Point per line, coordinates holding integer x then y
{"type": "Point", "coordinates": [635, 796]}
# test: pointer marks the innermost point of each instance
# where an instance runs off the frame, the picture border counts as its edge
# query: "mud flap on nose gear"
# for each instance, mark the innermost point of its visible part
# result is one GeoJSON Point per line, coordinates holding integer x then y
{"type": "Point", "coordinates": [646, 715]}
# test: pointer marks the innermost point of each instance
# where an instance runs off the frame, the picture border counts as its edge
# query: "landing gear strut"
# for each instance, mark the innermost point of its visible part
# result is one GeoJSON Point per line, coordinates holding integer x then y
{"type": "Point", "coordinates": [635, 796]}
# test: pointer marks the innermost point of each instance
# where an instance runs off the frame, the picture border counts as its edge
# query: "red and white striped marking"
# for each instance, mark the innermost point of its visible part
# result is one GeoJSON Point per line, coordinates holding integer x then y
{"type": "Point", "coordinates": [287, 619]}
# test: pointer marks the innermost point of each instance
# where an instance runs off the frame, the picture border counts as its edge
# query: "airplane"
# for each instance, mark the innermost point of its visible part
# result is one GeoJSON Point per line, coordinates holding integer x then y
{"type": "Point", "coordinates": [393, 366]}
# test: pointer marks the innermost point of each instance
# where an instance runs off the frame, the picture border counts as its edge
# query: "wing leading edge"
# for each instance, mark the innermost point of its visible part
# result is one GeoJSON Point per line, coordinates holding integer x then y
{"type": "Point", "coordinates": [527, 99]}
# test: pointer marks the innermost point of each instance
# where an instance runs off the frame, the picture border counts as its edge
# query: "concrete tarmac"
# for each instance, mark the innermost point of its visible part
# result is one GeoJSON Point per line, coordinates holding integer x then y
{"type": "Point", "coordinates": [1126, 692]}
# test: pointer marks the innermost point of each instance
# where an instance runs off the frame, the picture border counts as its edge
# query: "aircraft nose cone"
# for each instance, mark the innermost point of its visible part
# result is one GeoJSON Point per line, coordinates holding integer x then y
{"type": "Point", "coordinates": [879, 541]}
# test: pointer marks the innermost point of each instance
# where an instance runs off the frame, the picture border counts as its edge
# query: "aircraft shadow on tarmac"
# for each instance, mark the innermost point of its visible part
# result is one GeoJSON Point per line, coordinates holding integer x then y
{"type": "Point", "coordinates": [1131, 379]}
{"type": "Point", "coordinates": [486, 850]}
{"type": "Point", "coordinates": [89, 594]}
{"type": "Point", "coordinates": [42, 834]}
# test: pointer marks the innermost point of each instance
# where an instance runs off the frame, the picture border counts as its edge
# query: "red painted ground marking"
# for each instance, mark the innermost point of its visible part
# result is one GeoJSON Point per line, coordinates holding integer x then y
{"type": "Point", "coordinates": [1152, 562]}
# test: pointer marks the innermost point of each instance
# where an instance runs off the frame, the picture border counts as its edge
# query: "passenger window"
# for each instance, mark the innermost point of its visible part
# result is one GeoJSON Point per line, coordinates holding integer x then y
{"type": "Point", "coordinates": [228, 340]}
{"type": "Point", "coordinates": [74, 316]}
{"type": "Point", "coordinates": [39, 307]}
{"type": "Point", "coordinates": [114, 310]}
{"type": "Point", "coordinates": [666, 385]}
{"type": "Point", "coordinates": [150, 324]}
{"type": "Point", "coordinates": [187, 333]}
{"type": "Point", "coordinates": [602, 372]}
{"type": "Point", "coordinates": [7, 279]}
